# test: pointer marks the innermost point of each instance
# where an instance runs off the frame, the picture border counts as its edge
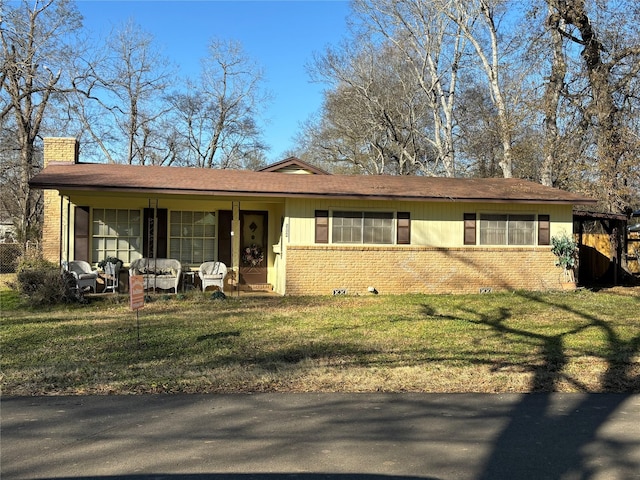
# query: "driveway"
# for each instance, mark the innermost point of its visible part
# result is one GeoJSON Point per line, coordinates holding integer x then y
{"type": "Point", "coordinates": [323, 436]}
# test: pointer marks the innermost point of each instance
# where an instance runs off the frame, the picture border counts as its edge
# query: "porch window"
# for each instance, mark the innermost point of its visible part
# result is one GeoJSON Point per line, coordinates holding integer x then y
{"type": "Point", "coordinates": [362, 227]}
{"type": "Point", "coordinates": [507, 229]}
{"type": "Point", "coordinates": [192, 236]}
{"type": "Point", "coordinates": [116, 233]}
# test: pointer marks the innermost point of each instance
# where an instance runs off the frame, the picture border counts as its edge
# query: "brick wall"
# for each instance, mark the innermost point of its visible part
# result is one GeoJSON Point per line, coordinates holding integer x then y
{"type": "Point", "coordinates": [60, 150]}
{"type": "Point", "coordinates": [55, 150]}
{"type": "Point", "coordinates": [393, 270]}
{"type": "Point", "coordinates": [51, 226]}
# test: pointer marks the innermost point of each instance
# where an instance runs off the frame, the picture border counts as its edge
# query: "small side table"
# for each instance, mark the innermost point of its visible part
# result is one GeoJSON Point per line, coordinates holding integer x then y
{"type": "Point", "coordinates": [188, 281]}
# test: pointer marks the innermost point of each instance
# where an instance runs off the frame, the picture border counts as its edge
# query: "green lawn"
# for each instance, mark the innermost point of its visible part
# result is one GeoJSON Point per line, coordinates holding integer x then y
{"type": "Point", "coordinates": [515, 342]}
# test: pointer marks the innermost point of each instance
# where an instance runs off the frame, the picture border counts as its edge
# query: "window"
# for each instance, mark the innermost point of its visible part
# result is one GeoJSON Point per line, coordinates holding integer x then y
{"type": "Point", "coordinates": [469, 228]}
{"type": "Point", "coordinates": [322, 226]}
{"type": "Point", "coordinates": [522, 229]}
{"type": "Point", "coordinates": [362, 227]}
{"type": "Point", "coordinates": [404, 228]}
{"type": "Point", "coordinates": [544, 230]}
{"type": "Point", "coordinates": [507, 229]}
{"type": "Point", "coordinates": [192, 236]}
{"type": "Point", "coordinates": [116, 233]}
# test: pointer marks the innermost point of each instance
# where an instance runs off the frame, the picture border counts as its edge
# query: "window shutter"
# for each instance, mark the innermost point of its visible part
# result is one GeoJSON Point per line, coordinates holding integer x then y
{"type": "Point", "coordinates": [544, 229]}
{"type": "Point", "coordinates": [469, 228]}
{"type": "Point", "coordinates": [322, 226]}
{"type": "Point", "coordinates": [160, 241]}
{"type": "Point", "coordinates": [81, 234]}
{"type": "Point", "coordinates": [404, 228]}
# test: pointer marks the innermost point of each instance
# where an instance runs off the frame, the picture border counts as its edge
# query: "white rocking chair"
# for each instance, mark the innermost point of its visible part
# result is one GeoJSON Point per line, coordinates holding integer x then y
{"type": "Point", "coordinates": [212, 274]}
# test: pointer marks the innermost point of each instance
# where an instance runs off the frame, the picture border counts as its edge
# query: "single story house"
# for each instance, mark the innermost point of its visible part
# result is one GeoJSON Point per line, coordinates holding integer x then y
{"type": "Point", "coordinates": [296, 230]}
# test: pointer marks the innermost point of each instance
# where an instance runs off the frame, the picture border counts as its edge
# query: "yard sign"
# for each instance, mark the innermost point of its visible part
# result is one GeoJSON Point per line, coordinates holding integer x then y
{"type": "Point", "coordinates": [136, 292]}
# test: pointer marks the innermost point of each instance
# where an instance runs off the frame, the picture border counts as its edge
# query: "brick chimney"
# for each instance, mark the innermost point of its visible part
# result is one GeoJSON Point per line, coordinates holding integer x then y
{"type": "Point", "coordinates": [57, 149]}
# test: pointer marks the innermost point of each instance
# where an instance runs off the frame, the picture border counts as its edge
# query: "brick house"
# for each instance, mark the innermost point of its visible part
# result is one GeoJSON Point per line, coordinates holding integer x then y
{"type": "Point", "coordinates": [297, 230]}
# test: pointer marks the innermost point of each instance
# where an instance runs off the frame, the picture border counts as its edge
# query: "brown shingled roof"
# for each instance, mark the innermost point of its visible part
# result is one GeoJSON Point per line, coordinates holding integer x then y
{"type": "Point", "coordinates": [185, 180]}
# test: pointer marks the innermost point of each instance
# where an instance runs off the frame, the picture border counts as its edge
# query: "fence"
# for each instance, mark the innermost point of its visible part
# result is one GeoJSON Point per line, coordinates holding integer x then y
{"type": "Point", "coordinates": [11, 253]}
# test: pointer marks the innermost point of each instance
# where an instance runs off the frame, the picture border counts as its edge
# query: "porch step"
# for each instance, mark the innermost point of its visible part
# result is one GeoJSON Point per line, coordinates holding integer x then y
{"type": "Point", "coordinates": [257, 287]}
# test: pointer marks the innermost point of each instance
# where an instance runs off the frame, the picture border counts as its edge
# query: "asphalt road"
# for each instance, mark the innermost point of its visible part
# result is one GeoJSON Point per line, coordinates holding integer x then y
{"type": "Point", "coordinates": [322, 436]}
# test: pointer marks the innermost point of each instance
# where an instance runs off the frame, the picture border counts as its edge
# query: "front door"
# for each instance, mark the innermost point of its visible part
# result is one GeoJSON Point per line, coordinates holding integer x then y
{"type": "Point", "coordinates": [253, 248]}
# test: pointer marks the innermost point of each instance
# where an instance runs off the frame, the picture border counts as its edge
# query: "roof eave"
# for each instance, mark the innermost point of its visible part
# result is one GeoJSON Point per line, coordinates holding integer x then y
{"type": "Point", "coordinates": [277, 194]}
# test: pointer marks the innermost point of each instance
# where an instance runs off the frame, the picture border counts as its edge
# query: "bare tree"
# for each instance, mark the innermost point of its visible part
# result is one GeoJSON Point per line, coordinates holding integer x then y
{"type": "Point", "coordinates": [37, 39]}
{"type": "Point", "coordinates": [478, 140]}
{"type": "Point", "coordinates": [10, 188]}
{"type": "Point", "coordinates": [120, 99]}
{"type": "Point", "coordinates": [610, 54]}
{"type": "Point", "coordinates": [434, 38]}
{"type": "Point", "coordinates": [217, 113]}
{"type": "Point", "coordinates": [478, 21]}
{"type": "Point", "coordinates": [375, 117]}
{"type": "Point", "coordinates": [431, 46]}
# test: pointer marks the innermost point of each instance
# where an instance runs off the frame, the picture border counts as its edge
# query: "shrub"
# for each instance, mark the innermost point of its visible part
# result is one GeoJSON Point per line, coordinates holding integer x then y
{"type": "Point", "coordinates": [43, 283]}
{"type": "Point", "coordinates": [565, 249]}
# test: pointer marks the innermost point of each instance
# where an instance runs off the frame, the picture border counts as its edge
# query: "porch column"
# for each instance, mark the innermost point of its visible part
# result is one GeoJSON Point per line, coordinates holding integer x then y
{"type": "Point", "coordinates": [235, 242]}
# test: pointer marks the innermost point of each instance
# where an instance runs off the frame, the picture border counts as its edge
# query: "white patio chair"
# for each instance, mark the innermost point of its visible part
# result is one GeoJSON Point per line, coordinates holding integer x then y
{"type": "Point", "coordinates": [212, 274]}
{"type": "Point", "coordinates": [83, 273]}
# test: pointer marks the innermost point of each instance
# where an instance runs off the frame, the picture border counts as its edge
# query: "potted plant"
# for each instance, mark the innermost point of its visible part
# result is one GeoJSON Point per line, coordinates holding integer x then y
{"type": "Point", "coordinates": [113, 260]}
{"type": "Point", "coordinates": [565, 249]}
{"type": "Point", "coordinates": [111, 267]}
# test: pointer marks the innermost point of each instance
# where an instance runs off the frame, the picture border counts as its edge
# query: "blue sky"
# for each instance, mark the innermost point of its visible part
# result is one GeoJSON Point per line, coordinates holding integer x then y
{"type": "Point", "coordinates": [281, 36]}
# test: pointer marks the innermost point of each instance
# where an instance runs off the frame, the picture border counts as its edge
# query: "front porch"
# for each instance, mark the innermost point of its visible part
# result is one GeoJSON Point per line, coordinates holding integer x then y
{"type": "Point", "coordinates": [190, 282]}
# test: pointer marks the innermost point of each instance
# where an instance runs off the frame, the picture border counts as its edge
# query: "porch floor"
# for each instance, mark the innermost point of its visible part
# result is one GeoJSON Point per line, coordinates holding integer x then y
{"type": "Point", "coordinates": [228, 293]}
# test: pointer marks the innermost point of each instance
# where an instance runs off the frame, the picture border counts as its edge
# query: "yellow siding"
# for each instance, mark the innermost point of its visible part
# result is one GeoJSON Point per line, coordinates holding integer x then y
{"type": "Point", "coordinates": [274, 261]}
{"type": "Point", "coordinates": [140, 202]}
{"type": "Point", "coordinates": [432, 224]}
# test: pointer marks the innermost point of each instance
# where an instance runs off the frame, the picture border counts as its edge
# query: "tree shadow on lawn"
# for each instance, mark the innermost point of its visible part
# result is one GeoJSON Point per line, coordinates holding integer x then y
{"type": "Point", "coordinates": [517, 456]}
{"type": "Point", "coordinates": [618, 376]}
{"type": "Point", "coordinates": [547, 372]}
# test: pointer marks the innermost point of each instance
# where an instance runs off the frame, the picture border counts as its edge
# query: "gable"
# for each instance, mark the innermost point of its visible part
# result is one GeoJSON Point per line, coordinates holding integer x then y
{"type": "Point", "coordinates": [293, 165]}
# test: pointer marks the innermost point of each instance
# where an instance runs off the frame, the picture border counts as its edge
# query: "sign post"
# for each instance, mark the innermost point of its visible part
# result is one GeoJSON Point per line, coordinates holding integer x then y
{"type": "Point", "coordinates": [136, 297]}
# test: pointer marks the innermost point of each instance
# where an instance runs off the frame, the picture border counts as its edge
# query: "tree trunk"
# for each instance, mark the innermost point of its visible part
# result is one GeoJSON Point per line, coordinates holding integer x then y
{"type": "Point", "coordinates": [462, 14]}
{"type": "Point", "coordinates": [551, 100]}
{"type": "Point", "coordinates": [602, 108]}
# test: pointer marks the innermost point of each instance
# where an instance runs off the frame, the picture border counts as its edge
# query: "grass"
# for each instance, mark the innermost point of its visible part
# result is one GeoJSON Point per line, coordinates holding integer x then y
{"type": "Point", "coordinates": [512, 342]}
